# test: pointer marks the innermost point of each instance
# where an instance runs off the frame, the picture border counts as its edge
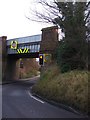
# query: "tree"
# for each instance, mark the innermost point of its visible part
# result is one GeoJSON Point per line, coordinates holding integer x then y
{"type": "Point", "coordinates": [70, 17]}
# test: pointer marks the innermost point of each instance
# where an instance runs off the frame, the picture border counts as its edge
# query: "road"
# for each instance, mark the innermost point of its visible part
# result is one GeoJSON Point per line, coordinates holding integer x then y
{"type": "Point", "coordinates": [18, 102]}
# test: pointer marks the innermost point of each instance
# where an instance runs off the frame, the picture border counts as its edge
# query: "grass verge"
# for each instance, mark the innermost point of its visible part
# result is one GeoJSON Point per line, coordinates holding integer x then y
{"type": "Point", "coordinates": [69, 88]}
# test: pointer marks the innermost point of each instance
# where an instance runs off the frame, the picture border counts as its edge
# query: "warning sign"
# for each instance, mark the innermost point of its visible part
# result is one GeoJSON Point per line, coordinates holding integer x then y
{"type": "Point", "coordinates": [47, 57]}
{"type": "Point", "coordinates": [13, 44]}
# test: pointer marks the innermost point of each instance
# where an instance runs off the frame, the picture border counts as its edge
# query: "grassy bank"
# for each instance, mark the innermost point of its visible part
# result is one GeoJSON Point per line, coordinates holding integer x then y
{"type": "Point", "coordinates": [69, 88]}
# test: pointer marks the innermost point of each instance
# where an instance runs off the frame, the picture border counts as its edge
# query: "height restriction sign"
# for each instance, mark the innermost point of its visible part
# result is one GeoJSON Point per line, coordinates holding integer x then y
{"type": "Point", "coordinates": [13, 44]}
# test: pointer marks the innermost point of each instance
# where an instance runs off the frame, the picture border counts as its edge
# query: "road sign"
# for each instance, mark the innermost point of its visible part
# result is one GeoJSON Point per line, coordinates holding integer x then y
{"type": "Point", "coordinates": [25, 50]}
{"type": "Point", "coordinates": [14, 44]}
{"type": "Point", "coordinates": [21, 64]}
{"type": "Point", "coordinates": [47, 58]}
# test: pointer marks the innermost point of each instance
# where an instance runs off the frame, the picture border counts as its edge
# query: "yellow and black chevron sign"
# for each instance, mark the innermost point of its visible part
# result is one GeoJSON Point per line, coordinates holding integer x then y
{"type": "Point", "coordinates": [25, 50]}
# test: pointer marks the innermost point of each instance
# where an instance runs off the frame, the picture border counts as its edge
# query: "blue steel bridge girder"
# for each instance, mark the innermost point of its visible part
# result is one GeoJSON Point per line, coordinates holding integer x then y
{"type": "Point", "coordinates": [25, 45]}
{"type": "Point", "coordinates": [24, 48]}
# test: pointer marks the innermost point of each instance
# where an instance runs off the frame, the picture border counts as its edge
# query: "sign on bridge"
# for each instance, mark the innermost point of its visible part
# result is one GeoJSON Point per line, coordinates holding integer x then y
{"type": "Point", "coordinates": [14, 44]}
{"type": "Point", "coordinates": [25, 50]}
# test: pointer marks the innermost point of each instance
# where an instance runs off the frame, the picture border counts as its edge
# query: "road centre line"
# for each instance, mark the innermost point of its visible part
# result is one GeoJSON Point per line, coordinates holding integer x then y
{"type": "Point", "coordinates": [35, 98]}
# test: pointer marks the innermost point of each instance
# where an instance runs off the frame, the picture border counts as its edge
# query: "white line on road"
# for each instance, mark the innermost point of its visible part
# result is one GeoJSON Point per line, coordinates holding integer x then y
{"type": "Point", "coordinates": [35, 98]}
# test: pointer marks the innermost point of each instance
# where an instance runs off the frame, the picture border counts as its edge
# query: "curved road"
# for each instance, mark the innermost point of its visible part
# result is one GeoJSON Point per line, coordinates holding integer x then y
{"type": "Point", "coordinates": [19, 103]}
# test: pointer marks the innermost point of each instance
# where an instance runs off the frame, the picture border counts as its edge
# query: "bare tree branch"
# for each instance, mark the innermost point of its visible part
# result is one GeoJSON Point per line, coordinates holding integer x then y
{"type": "Point", "coordinates": [51, 11]}
{"type": "Point", "coordinates": [88, 12]}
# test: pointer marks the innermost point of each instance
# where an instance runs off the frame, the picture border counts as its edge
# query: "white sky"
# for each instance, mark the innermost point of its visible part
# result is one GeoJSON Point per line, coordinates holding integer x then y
{"type": "Point", "coordinates": [13, 22]}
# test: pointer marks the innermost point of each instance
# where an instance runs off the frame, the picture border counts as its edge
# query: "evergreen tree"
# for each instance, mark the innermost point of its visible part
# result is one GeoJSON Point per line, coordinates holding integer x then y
{"type": "Point", "coordinates": [73, 52]}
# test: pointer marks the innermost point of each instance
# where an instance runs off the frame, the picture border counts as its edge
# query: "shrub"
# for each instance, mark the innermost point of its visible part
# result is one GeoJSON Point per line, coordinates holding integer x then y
{"type": "Point", "coordinates": [68, 58]}
{"type": "Point", "coordinates": [65, 68]}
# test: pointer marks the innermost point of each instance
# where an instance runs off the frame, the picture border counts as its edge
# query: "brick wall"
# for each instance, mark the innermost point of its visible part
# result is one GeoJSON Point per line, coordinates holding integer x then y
{"type": "Point", "coordinates": [49, 39]}
{"type": "Point", "coordinates": [3, 54]}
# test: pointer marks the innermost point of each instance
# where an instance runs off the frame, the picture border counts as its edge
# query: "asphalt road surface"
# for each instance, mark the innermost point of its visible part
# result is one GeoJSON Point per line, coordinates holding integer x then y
{"type": "Point", "coordinates": [18, 102]}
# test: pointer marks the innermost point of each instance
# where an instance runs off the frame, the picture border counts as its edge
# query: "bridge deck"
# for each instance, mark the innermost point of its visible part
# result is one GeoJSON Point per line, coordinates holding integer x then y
{"type": "Point", "coordinates": [30, 44]}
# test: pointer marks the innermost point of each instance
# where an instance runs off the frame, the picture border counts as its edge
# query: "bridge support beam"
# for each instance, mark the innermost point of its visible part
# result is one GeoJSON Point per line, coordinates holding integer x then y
{"type": "Point", "coordinates": [49, 44]}
{"type": "Point", "coordinates": [12, 71]}
{"type": "Point", "coordinates": [4, 55]}
{"type": "Point", "coordinates": [49, 40]}
{"type": "Point", "coordinates": [9, 64]}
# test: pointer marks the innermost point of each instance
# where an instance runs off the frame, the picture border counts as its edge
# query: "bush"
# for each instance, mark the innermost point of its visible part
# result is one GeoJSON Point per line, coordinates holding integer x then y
{"type": "Point", "coordinates": [65, 68]}
{"type": "Point", "coordinates": [68, 58]}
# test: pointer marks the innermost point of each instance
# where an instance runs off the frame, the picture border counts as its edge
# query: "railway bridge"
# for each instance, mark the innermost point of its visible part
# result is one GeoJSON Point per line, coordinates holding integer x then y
{"type": "Point", "coordinates": [26, 47]}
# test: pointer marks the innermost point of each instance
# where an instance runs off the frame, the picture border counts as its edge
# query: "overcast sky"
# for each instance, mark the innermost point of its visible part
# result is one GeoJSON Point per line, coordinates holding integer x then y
{"type": "Point", "coordinates": [13, 22]}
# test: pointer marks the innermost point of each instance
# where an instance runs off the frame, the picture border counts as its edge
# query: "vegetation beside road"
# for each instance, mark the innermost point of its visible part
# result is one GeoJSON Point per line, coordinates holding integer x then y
{"type": "Point", "coordinates": [70, 88]}
{"type": "Point", "coordinates": [30, 68]}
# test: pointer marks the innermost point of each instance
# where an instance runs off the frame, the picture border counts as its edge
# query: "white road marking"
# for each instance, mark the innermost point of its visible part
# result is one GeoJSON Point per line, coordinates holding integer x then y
{"type": "Point", "coordinates": [35, 98]}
